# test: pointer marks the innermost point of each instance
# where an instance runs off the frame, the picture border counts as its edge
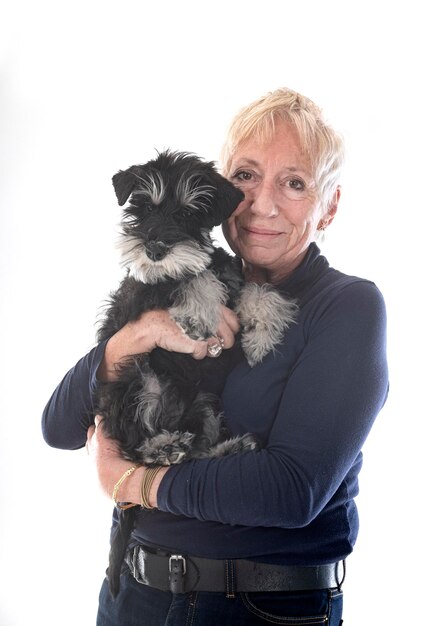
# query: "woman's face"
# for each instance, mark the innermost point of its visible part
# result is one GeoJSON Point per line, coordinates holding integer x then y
{"type": "Point", "coordinates": [273, 226]}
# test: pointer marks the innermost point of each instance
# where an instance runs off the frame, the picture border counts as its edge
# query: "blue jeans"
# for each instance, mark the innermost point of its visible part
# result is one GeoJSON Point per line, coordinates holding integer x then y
{"type": "Point", "coordinates": [140, 605]}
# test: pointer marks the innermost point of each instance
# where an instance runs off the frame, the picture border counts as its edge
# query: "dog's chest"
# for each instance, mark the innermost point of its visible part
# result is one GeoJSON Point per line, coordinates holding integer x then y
{"type": "Point", "coordinates": [138, 297]}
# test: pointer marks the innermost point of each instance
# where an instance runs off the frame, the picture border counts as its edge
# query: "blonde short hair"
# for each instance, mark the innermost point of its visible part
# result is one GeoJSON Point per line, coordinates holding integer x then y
{"type": "Point", "coordinates": [322, 144]}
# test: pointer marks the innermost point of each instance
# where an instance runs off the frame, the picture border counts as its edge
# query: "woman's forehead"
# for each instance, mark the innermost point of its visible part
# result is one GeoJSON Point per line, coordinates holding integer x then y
{"type": "Point", "coordinates": [282, 150]}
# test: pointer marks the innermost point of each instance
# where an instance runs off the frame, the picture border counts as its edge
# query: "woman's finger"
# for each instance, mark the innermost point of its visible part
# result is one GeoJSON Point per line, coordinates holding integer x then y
{"type": "Point", "coordinates": [230, 318]}
{"type": "Point", "coordinates": [228, 327]}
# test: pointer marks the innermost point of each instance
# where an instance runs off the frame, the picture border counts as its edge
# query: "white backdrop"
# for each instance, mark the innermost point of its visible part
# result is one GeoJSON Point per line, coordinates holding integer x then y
{"type": "Point", "coordinates": [88, 88]}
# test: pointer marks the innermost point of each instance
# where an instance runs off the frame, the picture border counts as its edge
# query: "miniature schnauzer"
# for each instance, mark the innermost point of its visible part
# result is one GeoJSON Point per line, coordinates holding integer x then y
{"type": "Point", "coordinates": [160, 409]}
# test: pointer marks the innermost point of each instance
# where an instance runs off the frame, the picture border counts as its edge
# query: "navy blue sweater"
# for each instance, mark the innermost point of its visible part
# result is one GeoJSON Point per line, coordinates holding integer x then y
{"type": "Point", "coordinates": [311, 403]}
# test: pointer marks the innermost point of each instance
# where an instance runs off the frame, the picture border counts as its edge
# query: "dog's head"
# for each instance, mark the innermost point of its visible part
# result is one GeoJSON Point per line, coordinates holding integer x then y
{"type": "Point", "coordinates": [175, 200]}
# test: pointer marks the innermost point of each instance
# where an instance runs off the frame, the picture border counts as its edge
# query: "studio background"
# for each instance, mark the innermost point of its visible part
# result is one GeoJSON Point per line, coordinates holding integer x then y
{"type": "Point", "coordinates": [89, 88]}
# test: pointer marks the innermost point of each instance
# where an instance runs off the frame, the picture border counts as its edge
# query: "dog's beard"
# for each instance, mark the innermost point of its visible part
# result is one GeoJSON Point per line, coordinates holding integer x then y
{"type": "Point", "coordinates": [184, 258]}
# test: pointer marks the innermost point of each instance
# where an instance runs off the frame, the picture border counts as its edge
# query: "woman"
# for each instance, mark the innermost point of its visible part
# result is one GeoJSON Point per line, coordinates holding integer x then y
{"type": "Point", "coordinates": [257, 537]}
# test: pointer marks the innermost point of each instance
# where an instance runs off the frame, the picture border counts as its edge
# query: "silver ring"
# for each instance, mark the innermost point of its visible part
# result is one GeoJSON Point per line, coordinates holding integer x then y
{"type": "Point", "coordinates": [215, 349]}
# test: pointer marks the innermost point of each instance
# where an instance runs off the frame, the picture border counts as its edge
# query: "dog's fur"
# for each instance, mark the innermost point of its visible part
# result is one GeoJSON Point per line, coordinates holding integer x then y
{"type": "Point", "coordinates": [158, 410]}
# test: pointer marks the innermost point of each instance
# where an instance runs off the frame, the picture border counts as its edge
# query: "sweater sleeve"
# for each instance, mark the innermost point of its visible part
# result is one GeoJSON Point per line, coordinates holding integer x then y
{"type": "Point", "coordinates": [335, 390]}
{"type": "Point", "coordinates": [68, 414]}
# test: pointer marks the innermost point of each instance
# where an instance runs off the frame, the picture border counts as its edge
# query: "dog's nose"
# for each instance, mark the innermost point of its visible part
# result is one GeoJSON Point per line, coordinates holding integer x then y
{"type": "Point", "coordinates": [156, 250]}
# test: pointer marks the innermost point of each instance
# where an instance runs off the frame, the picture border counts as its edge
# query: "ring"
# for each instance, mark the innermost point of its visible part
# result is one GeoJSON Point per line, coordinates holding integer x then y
{"type": "Point", "coordinates": [215, 349]}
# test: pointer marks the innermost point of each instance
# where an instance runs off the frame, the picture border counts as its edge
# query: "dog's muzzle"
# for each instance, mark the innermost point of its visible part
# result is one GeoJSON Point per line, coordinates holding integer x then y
{"type": "Point", "coordinates": [156, 250]}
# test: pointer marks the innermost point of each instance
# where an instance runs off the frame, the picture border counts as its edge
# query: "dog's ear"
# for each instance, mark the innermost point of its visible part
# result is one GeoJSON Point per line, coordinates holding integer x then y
{"type": "Point", "coordinates": [124, 183]}
{"type": "Point", "coordinates": [226, 198]}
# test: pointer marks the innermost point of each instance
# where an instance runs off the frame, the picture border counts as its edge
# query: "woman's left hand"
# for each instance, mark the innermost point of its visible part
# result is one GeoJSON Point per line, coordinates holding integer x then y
{"type": "Point", "coordinates": [107, 457]}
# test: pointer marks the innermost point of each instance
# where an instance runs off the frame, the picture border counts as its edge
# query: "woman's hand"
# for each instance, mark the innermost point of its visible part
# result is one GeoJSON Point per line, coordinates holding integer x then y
{"type": "Point", "coordinates": [110, 466]}
{"type": "Point", "coordinates": [106, 456]}
{"type": "Point", "coordinates": [156, 329]}
{"type": "Point", "coordinates": [228, 327]}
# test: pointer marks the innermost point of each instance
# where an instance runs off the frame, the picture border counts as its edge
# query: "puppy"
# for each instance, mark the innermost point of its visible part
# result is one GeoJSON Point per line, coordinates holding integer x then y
{"type": "Point", "coordinates": [165, 407]}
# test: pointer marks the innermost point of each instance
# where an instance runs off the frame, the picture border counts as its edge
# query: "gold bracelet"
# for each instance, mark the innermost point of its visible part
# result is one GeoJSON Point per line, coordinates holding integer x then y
{"type": "Point", "coordinates": [147, 482]}
{"type": "Point", "coordinates": [117, 486]}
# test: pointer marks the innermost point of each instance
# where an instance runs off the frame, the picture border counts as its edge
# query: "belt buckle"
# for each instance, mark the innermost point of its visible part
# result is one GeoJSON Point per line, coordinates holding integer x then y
{"type": "Point", "coordinates": [178, 569]}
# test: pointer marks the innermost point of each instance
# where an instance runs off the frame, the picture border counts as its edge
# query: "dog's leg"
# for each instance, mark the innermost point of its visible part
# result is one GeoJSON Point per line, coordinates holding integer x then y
{"type": "Point", "coordinates": [200, 429]}
{"type": "Point", "coordinates": [161, 407]}
{"type": "Point", "coordinates": [167, 448]}
{"type": "Point", "coordinates": [197, 307]}
{"type": "Point", "coordinates": [204, 417]}
{"type": "Point", "coordinates": [264, 315]}
{"type": "Point", "coordinates": [243, 443]}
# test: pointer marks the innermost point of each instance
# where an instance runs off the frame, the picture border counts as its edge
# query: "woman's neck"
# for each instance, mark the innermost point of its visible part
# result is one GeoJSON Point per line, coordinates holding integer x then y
{"type": "Point", "coordinates": [260, 275]}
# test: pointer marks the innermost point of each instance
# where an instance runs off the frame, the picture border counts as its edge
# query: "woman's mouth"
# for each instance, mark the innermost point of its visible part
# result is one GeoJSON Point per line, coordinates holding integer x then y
{"type": "Point", "coordinates": [260, 233]}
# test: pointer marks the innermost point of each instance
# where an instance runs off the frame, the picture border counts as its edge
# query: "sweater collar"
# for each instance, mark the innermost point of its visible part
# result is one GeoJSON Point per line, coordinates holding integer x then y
{"type": "Point", "coordinates": [313, 266]}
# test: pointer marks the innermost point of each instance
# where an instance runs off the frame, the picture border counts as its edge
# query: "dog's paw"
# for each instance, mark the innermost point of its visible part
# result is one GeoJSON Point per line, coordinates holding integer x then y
{"type": "Point", "coordinates": [264, 316]}
{"type": "Point", "coordinates": [166, 448]}
{"type": "Point", "coordinates": [195, 328]}
{"type": "Point", "coordinates": [243, 443]}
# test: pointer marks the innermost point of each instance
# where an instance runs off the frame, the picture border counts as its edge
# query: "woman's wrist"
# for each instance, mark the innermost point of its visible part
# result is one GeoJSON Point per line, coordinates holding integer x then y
{"type": "Point", "coordinates": [153, 329]}
{"type": "Point", "coordinates": [107, 370]}
{"type": "Point", "coordinates": [131, 488]}
{"type": "Point", "coordinates": [131, 339]}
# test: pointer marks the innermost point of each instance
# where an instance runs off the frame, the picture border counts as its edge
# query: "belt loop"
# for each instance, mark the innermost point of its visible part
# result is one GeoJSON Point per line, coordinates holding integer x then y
{"type": "Point", "coordinates": [230, 578]}
{"type": "Point", "coordinates": [339, 584]}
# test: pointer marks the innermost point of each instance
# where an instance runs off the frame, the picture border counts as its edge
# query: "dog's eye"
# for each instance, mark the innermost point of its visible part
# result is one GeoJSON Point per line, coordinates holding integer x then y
{"type": "Point", "coordinates": [188, 211]}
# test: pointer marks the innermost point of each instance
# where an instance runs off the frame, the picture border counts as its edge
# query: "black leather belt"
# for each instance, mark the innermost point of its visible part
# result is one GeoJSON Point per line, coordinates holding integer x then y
{"type": "Point", "coordinates": [181, 574]}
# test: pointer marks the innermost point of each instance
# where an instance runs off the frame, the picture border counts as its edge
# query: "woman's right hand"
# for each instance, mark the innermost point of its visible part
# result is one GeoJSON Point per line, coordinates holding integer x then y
{"type": "Point", "coordinates": [156, 329]}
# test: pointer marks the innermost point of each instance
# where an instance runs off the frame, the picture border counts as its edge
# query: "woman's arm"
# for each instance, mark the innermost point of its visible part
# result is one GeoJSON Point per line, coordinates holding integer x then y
{"type": "Point", "coordinates": [68, 414]}
{"type": "Point", "coordinates": [154, 329]}
{"type": "Point", "coordinates": [110, 466]}
{"type": "Point", "coordinates": [335, 390]}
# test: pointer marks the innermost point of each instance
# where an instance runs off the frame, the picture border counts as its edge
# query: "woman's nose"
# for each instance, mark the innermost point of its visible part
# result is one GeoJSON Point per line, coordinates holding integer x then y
{"type": "Point", "coordinates": [264, 201]}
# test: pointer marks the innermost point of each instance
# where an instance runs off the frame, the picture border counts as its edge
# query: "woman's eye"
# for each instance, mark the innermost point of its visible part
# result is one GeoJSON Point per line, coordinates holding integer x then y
{"type": "Point", "coordinates": [296, 184]}
{"type": "Point", "coordinates": [243, 176]}
{"type": "Point", "coordinates": [294, 189]}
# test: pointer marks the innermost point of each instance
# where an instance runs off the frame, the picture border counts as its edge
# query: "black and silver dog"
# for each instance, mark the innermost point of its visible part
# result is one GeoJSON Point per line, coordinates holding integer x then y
{"type": "Point", "coordinates": [160, 409]}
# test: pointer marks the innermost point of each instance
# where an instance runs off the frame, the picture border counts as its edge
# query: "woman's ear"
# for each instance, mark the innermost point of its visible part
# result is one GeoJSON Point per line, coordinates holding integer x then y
{"type": "Point", "coordinates": [331, 211]}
